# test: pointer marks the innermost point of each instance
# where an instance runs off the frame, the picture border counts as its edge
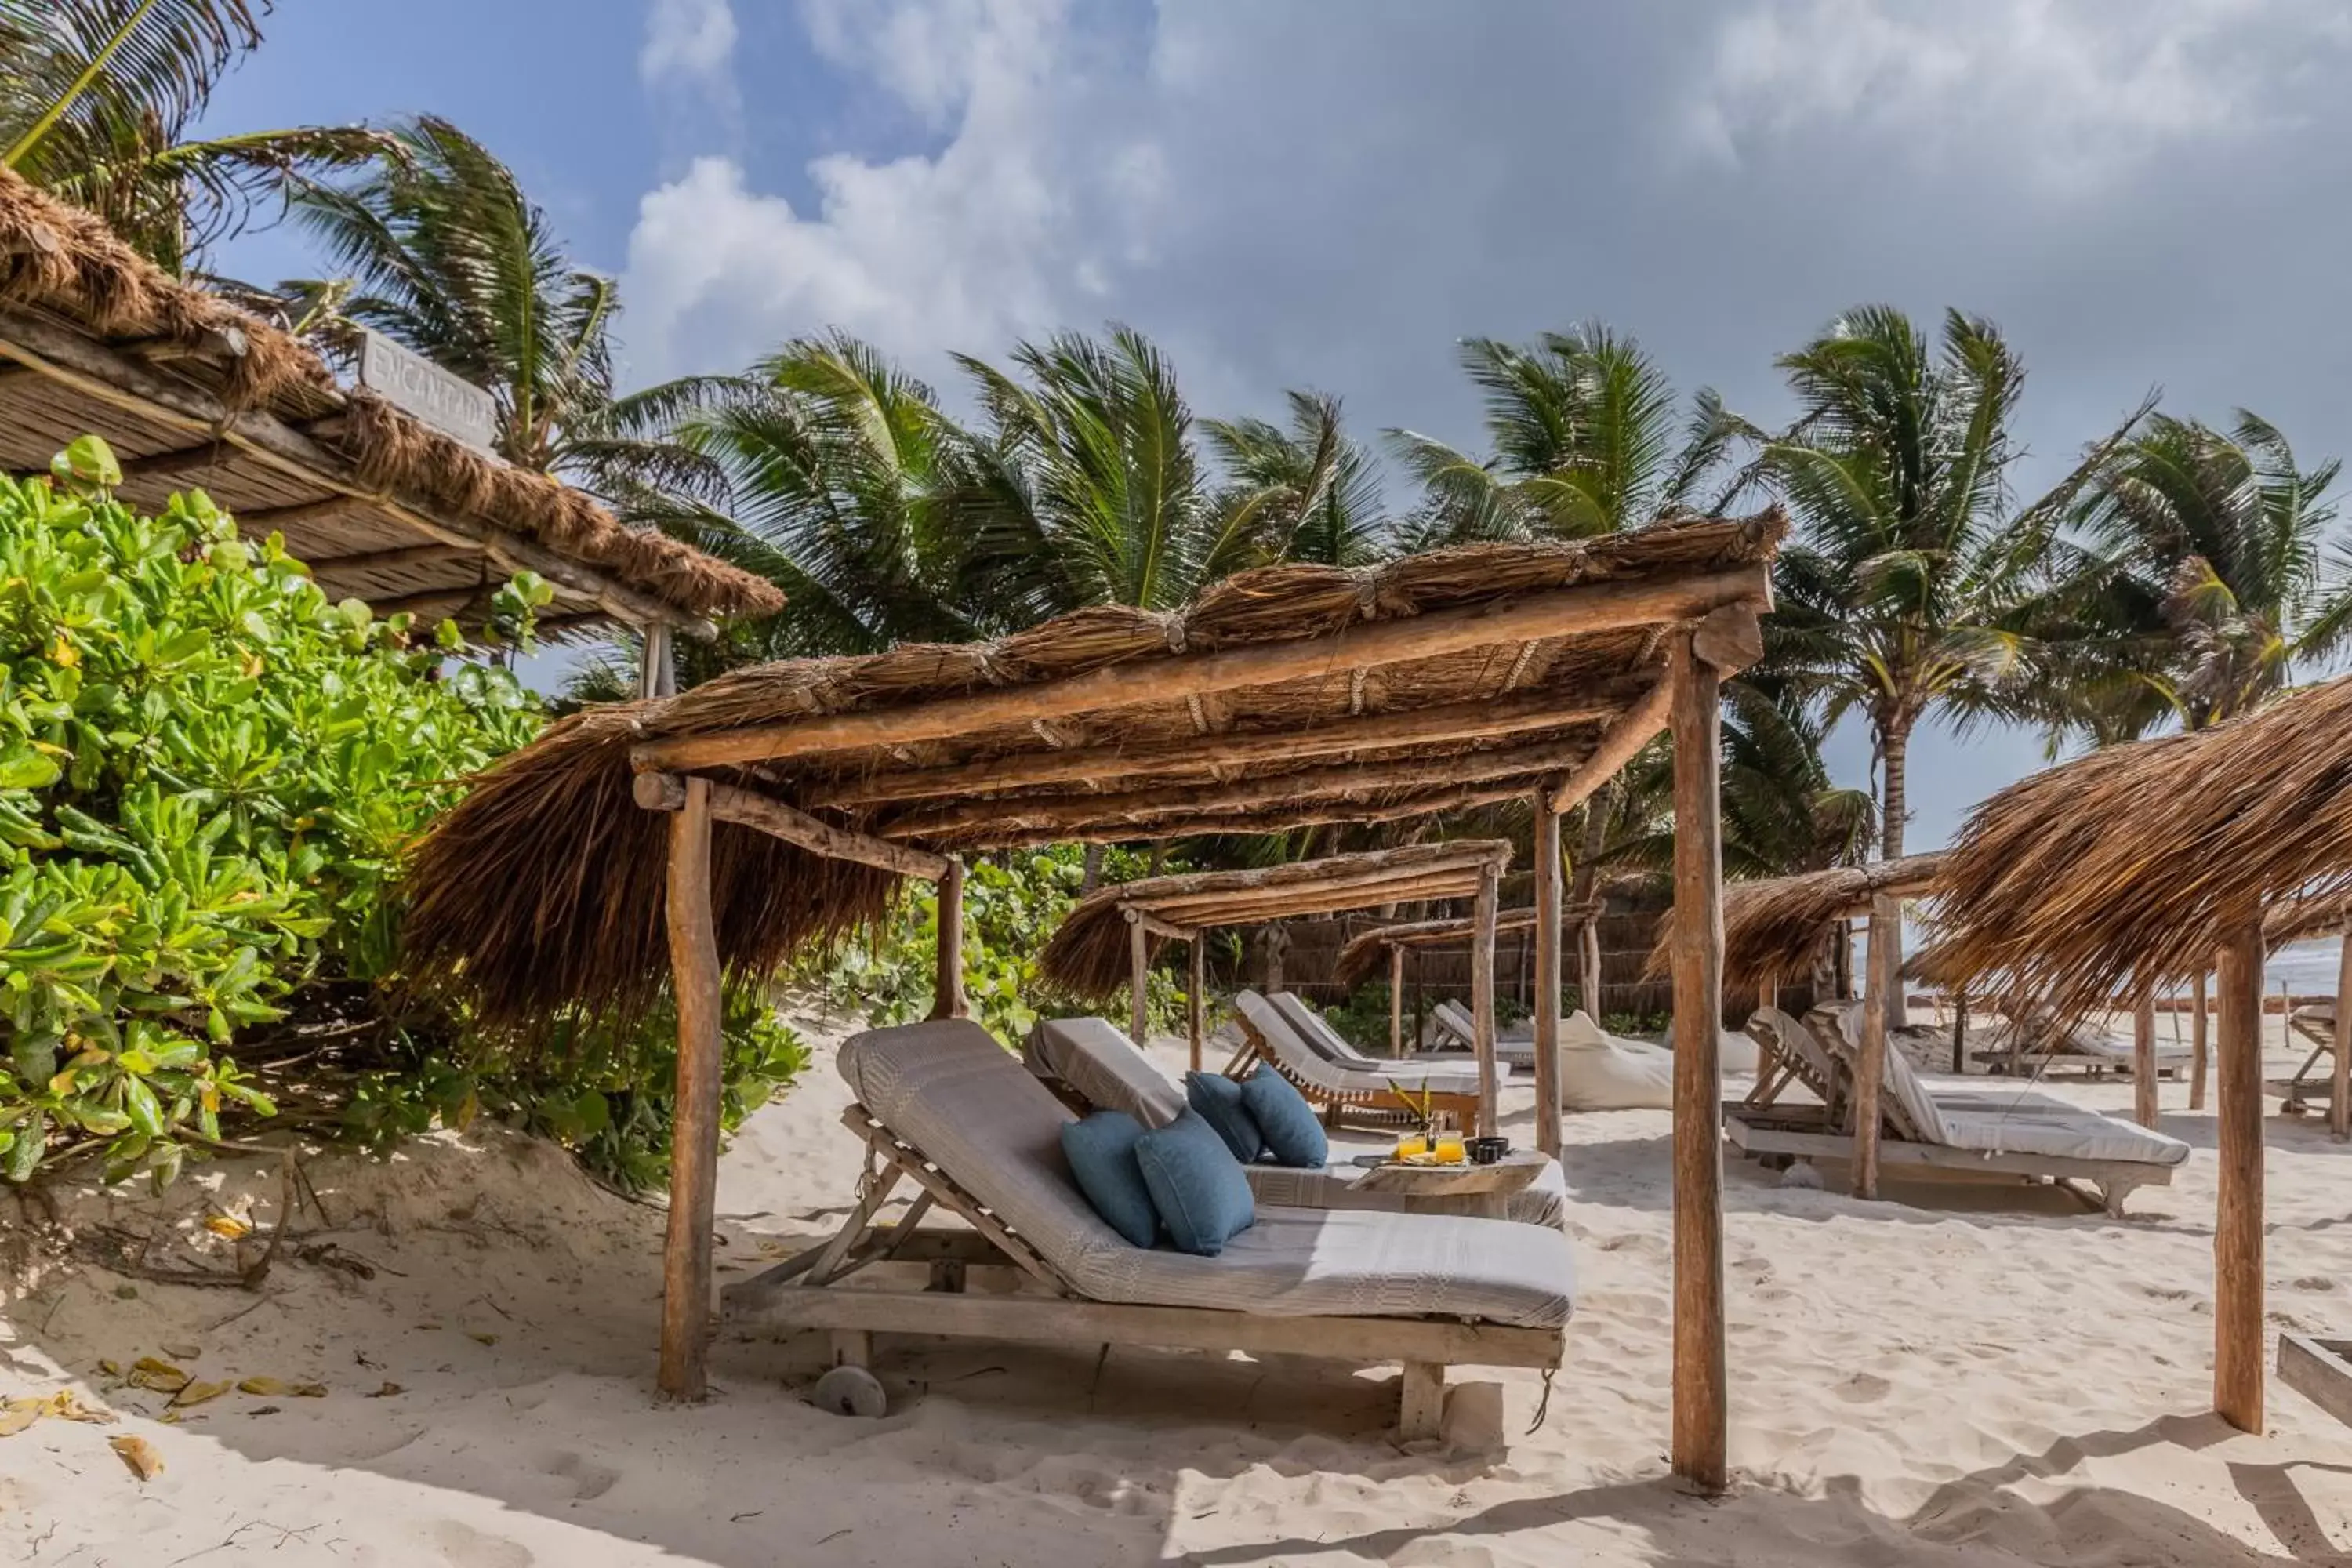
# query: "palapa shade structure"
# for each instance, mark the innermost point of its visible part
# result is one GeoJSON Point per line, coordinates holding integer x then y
{"type": "Point", "coordinates": [664, 844]}
{"type": "Point", "coordinates": [193, 392]}
{"type": "Point", "coordinates": [1110, 937]}
{"type": "Point", "coordinates": [2149, 864]}
{"type": "Point", "coordinates": [1774, 926]}
{"type": "Point", "coordinates": [1361, 958]}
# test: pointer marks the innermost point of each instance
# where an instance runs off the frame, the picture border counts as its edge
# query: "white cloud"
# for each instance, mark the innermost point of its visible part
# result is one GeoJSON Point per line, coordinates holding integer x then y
{"type": "Point", "coordinates": [689, 44]}
{"type": "Point", "coordinates": [2083, 88]}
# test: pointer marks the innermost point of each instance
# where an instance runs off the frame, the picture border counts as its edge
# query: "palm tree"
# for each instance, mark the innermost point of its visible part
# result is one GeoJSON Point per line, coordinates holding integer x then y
{"type": "Point", "coordinates": [448, 257]}
{"type": "Point", "coordinates": [1085, 487]}
{"type": "Point", "coordinates": [1910, 590]}
{"type": "Point", "coordinates": [2204, 587]}
{"type": "Point", "coordinates": [1585, 440]}
{"type": "Point", "coordinates": [96, 97]}
{"type": "Point", "coordinates": [1310, 485]}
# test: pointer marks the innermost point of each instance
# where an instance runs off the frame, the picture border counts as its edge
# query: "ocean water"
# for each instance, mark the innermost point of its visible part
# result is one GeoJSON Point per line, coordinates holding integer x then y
{"type": "Point", "coordinates": [2303, 968]}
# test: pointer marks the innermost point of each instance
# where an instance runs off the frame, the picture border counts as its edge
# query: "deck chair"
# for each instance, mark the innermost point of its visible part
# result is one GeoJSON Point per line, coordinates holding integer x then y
{"type": "Point", "coordinates": [1787, 1055]}
{"type": "Point", "coordinates": [1326, 1042]}
{"type": "Point", "coordinates": [1091, 1064]}
{"type": "Point", "coordinates": [2315, 1022]}
{"type": "Point", "coordinates": [1515, 1047]}
{"type": "Point", "coordinates": [1996, 1132]}
{"type": "Point", "coordinates": [1347, 1094]}
{"type": "Point", "coordinates": [943, 1106]}
{"type": "Point", "coordinates": [2037, 1043]}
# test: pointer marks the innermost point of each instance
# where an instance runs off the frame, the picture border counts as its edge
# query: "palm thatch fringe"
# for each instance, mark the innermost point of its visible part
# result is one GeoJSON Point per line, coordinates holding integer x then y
{"type": "Point", "coordinates": [1773, 928]}
{"type": "Point", "coordinates": [2128, 866]}
{"type": "Point", "coordinates": [58, 260]}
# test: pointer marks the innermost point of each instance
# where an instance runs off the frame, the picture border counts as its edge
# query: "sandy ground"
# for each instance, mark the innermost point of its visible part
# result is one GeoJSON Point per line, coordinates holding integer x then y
{"type": "Point", "coordinates": [1966, 1376]}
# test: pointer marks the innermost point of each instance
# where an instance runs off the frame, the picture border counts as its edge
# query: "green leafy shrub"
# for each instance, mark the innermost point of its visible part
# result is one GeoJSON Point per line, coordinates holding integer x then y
{"type": "Point", "coordinates": [207, 772]}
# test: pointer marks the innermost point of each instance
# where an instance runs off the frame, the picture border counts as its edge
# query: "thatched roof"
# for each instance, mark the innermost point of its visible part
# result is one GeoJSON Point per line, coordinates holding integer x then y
{"type": "Point", "coordinates": [1088, 955]}
{"type": "Point", "coordinates": [1365, 952]}
{"type": "Point", "coordinates": [1285, 695]}
{"type": "Point", "coordinates": [2128, 866]}
{"type": "Point", "coordinates": [2306, 917]}
{"type": "Point", "coordinates": [1772, 927]}
{"type": "Point", "coordinates": [191, 392]}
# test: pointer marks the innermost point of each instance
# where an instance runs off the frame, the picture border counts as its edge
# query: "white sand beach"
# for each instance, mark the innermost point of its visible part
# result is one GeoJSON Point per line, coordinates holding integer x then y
{"type": "Point", "coordinates": [1964, 1376]}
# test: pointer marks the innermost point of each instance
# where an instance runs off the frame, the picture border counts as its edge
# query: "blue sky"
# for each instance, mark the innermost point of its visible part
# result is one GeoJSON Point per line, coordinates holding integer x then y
{"type": "Point", "coordinates": [1305, 192]}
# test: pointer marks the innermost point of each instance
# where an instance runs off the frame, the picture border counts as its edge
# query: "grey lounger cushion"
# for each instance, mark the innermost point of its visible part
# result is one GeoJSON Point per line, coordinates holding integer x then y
{"type": "Point", "coordinates": [1314, 1031]}
{"type": "Point", "coordinates": [1096, 1059]}
{"type": "Point", "coordinates": [1320, 1071]}
{"type": "Point", "coordinates": [949, 1089]}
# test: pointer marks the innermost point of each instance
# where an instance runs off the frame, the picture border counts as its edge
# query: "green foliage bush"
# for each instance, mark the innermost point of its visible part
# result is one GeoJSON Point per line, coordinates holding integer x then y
{"type": "Point", "coordinates": [208, 772]}
{"type": "Point", "coordinates": [1012, 902]}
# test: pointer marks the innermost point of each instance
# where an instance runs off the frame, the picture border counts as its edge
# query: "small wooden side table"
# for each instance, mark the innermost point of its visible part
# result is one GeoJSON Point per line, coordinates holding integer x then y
{"type": "Point", "coordinates": [1491, 1185]}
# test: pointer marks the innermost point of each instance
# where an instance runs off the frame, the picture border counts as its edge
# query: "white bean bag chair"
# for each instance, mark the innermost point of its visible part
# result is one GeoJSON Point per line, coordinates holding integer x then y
{"type": "Point", "coordinates": [1599, 1071]}
{"type": "Point", "coordinates": [1734, 1052]}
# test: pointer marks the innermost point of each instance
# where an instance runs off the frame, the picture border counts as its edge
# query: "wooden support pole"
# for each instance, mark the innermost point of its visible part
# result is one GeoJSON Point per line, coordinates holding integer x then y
{"type": "Point", "coordinates": [2198, 1057]}
{"type": "Point", "coordinates": [1482, 986]}
{"type": "Point", "coordinates": [1138, 966]}
{"type": "Point", "coordinates": [656, 676]}
{"type": "Point", "coordinates": [2340, 1092]}
{"type": "Point", "coordinates": [2145, 1108]}
{"type": "Point", "coordinates": [1884, 969]}
{"type": "Point", "coordinates": [1396, 1000]}
{"type": "Point", "coordinates": [948, 1000]}
{"type": "Point", "coordinates": [1960, 1033]}
{"type": "Point", "coordinates": [1701, 1391]}
{"type": "Point", "coordinates": [694, 1134]}
{"type": "Point", "coordinates": [1588, 943]}
{"type": "Point", "coordinates": [1547, 1002]}
{"type": "Point", "coordinates": [2238, 1221]}
{"type": "Point", "coordinates": [1196, 998]}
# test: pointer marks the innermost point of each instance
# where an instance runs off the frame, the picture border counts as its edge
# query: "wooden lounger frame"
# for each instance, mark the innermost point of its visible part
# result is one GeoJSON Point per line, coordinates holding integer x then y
{"type": "Point", "coordinates": [1804, 1137]}
{"type": "Point", "coordinates": [802, 1292]}
{"type": "Point", "coordinates": [2320, 1369]}
{"type": "Point", "coordinates": [1367, 1107]}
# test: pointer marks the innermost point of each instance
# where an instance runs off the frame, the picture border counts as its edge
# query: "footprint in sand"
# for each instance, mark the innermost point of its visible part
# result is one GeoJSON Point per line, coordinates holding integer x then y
{"type": "Point", "coordinates": [592, 1480]}
{"type": "Point", "coordinates": [2312, 1282]}
{"type": "Point", "coordinates": [463, 1546]}
{"type": "Point", "coordinates": [1864, 1388]}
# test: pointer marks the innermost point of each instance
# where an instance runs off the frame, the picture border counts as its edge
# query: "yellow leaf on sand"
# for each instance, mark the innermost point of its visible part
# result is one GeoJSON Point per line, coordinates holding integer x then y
{"type": "Point", "coordinates": [160, 1375]}
{"type": "Point", "coordinates": [111, 1368]}
{"type": "Point", "coordinates": [66, 1405]}
{"type": "Point", "coordinates": [267, 1387]}
{"type": "Point", "coordinates": [16, 1415]}
{"type": "Point", "coordinates": [140, 1455]}
{"type": "Point", "coordinates": [227, 1225]}
{"type": "Point", "coordinates": [482, 1338]}
{"type": "Point", "coordinates": [387, 1390]}
{"type": "Point", "coordinates": [198, 1393]}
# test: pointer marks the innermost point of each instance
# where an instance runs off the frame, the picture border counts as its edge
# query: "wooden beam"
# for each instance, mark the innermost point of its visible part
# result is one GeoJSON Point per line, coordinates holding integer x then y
{"type": "Point", "coordinates": [1547, 1001]}
{"type": "Point", "coordinates": [2238, 1219]}
{"type": "Point", "coordinates": [430, 602]}
{"type": "Point", "coordinates": [182, 460]}
{"type": "Point", "coordinates": [2145, 1107]}
{"type": "Point", "coordinates": [1157, 927]}
{"type": "Point", "coordinates": [1626, 735]}
{"type": "Point", "coordinates": [270, 519]}
{"type": "Point", "coordinates": [384, 560]}
{"type": "Point", "coordinates": [1304, 784]}
{"type": "Point", "coordinates": [1196, 999]}
{"type": "Point", "coordinates": [1199, 754]}
{"type": "Point", "coordinates": [2197, 1036]}
{"type": "Point", "coordinates": [747, 808]}
{"type": "Point", "coordinates": [694, 1135]}
{"type": "Point", "coordinates": [947, 983]}
{"type": "Point", "coordinates": [69, 357]}
{"type": "Point", "coordinates": [1139, 972]}
{"type": "Point", "coordinates": [1701, 1386]}
{"type": "Point", "coordinates": [1482, 991]}
{"type": "Point", "coordinates": [1250, 909]}
{"type": "Point", "coordinates": [2339, 1078]}
{"type": "Point", "coordinates": [1585, 610]}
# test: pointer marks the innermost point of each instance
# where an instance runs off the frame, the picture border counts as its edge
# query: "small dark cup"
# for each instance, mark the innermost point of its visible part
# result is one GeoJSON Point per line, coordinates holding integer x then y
{"type": "Point", "coordinates": [1488, 1151]}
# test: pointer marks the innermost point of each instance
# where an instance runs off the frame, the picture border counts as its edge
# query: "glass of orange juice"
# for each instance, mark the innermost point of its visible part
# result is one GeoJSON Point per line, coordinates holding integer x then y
{"type": "Point", "coordinates": [1411, 1145]}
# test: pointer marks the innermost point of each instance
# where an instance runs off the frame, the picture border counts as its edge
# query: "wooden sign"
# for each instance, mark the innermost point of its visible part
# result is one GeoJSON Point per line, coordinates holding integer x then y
{"type": "Point", "coordinates": [416, 384]}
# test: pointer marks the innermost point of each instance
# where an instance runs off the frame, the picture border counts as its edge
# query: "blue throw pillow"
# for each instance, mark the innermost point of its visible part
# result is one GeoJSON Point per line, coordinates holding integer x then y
{"type": "Point", "coordinates": [1101, 1151]}
{"type": "Point", "coordinates": [1218, 1099]}
{"type": "Point", "coordinates": [1293, 1135]}
{"type": "Point", "coordinates": [1196, 1184]}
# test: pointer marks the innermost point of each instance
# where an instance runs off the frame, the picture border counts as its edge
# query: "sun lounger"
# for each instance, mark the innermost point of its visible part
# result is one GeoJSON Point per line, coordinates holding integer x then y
{"type": "Point", "coordinates": [1515, 1046]}
{"type": "Point", "coordinates": [941, 1105]}
{"type": "Point", "coordinates": [2035, 1044]}
{"type": "Point", "coordinates": [2315, 1022]}
{"type": "Point", "coordinates": [1996, 1132]}
{"type": "Point", "coordinates": [1093, 1062]}
{"type": "Point", "coordinates": [1326, 1042]}
{"type": "Point", "coordinates": [1376, 1094]}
